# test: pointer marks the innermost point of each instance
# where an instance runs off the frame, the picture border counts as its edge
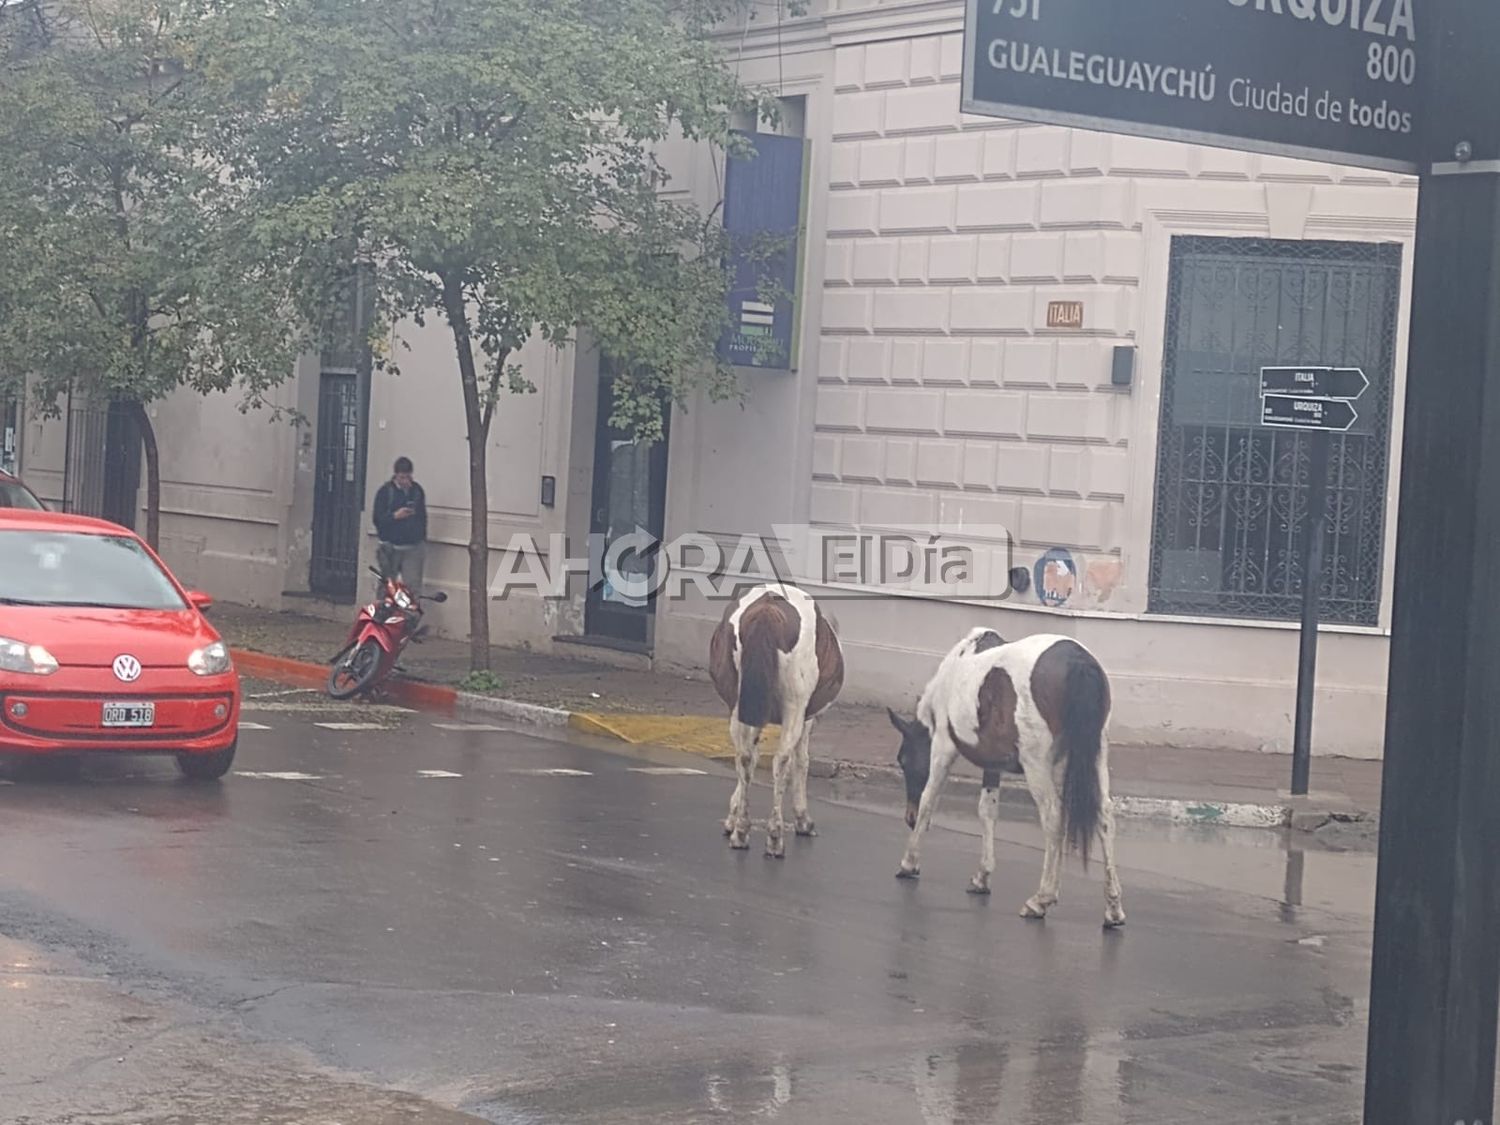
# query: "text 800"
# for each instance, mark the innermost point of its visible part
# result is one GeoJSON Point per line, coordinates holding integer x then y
{"type": "Point", "coordinates": [1392, 64]}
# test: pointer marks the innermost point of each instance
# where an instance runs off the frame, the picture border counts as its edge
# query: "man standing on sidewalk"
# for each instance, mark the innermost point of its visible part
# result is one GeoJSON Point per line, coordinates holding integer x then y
{"type": "Point", "coordinates": [401, 524]}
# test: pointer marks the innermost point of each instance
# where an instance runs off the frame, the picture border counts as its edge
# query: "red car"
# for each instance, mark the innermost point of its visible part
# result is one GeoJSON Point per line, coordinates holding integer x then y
{"type": "Point", "coordinates": [101, 649]}
{"type": "Point", "coordinates": [14, 494]}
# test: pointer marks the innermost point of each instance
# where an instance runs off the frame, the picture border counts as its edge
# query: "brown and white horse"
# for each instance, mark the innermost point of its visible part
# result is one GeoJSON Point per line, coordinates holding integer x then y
{"type": "Point", "coordinates": [774, 658]}
{"type": "Point", "coordinates": [1037, 707]}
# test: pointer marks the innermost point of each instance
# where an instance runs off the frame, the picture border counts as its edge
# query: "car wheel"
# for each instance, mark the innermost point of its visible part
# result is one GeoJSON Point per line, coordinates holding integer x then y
{"type": "Point", "coordinates": [207, 767]}
{"type": "Point", "coordinates": [355, 673]}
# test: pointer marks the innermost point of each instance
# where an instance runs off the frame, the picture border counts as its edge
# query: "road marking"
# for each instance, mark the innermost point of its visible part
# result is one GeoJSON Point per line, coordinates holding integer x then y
{"type": "Point", "coordinates": [437, 773]}
{"type": "Point", "coordinates": [668, 771]}
{"type": "Point", "coordinates": [352, 726]}
{"type": "Point", "coordinates": [253, 726]}
{"type": "Point", "coordinates": [327, 705]}
{"type": "Point", "coordinates": [555, 773]}
{"type": "Point", "coordinates": [290, 775]}
{"type": "Point", "coordinates": [469, 726]}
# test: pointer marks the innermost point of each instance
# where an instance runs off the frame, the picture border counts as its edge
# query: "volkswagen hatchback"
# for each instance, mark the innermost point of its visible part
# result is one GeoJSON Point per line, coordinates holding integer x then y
{"type": "Point", "coordinates": [102, 650]}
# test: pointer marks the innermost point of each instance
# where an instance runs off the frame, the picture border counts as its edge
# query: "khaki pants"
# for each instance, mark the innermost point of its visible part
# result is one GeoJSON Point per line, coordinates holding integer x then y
{"type": "Point", "coordinates": [405, 562]}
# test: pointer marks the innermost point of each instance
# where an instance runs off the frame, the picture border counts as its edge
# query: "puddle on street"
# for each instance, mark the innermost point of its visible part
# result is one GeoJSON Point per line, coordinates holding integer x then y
{"type": "Point", "coordinates": [1332, 870]}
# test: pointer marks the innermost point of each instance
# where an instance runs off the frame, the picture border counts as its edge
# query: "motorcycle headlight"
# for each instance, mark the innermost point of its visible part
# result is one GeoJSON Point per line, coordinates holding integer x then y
{"type": "Point", "coordinates": [211, 660]}
{"type": "Point", "coordinates": [29, 660]}
{"type": "Point", "coordinates": [402, 599]}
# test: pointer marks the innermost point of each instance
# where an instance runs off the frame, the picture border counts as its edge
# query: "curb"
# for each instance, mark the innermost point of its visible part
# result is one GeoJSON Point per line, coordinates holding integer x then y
{"type": "Point", "coordinates": [428, 696]}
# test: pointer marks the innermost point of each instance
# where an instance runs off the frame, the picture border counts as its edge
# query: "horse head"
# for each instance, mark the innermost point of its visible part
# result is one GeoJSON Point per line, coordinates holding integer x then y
{"type": "Point", "coordinates": [915, 760]}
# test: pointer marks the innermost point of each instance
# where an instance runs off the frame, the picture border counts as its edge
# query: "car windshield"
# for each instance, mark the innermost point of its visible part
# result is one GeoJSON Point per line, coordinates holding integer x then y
{"type": "Point", "coordinates": [61, 568]}
{"type": "Point", "coordinates": [12, 495]}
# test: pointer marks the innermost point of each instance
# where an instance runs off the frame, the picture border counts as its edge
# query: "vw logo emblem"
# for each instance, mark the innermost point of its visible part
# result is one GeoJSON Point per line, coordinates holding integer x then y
{"type": "Point", "coordinates": [127, 669]}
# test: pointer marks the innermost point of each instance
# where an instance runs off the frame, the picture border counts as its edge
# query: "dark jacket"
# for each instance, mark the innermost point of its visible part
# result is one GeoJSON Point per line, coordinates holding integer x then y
{"type": "Point", "coordinates": [388, 501]}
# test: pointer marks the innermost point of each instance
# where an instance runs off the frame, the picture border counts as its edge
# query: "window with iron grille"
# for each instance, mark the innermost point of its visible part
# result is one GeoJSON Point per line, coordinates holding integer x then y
{"type": "Point", "coordinates": [1231, 512]}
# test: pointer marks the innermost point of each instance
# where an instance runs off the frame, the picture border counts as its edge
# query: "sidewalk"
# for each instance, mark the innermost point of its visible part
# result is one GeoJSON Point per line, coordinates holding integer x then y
{"type": "Point", "coordinates": [1206, 786]}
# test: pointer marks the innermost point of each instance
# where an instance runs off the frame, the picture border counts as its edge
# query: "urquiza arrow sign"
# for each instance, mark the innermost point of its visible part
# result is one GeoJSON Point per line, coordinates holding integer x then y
{"type": "Point", "coordinates": [1299, 412]}
{"type": "Point", "coordinates": [1316, 382]}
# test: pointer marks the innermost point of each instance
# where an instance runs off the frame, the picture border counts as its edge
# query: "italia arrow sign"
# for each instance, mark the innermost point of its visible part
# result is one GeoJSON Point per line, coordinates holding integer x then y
{"type": "Point", "coordinates": [1300, 412]}
{"type": "Point", "coordinates": [1315, 382]}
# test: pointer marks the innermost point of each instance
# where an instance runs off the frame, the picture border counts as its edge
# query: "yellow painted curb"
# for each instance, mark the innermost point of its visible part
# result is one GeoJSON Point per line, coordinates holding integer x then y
{"type": "Point", "coordinates": [704, 735]}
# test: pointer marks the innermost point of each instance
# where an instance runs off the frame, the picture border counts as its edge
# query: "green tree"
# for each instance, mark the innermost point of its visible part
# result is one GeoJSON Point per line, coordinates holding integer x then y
{"type": "Point", "coordinates": [122, 267]}
{"type": "Point", "coordinates": [492, 163]}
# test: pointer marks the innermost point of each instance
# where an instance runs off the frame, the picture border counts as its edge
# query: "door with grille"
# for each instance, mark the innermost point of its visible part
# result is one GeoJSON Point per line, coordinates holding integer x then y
{"type": "Point", "coordinates": [337, 500]}
{"type": "Point", "coordinates": [1231, 495]}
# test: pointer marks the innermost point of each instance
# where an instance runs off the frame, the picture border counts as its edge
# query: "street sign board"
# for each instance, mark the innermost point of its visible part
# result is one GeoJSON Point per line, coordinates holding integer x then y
{"type": "Point", "coordinates": [1296, 412]}
{"type": "Point", "coordinates": [1317, 382]}
{"type": "Point", "coordinates": [1332, 80]}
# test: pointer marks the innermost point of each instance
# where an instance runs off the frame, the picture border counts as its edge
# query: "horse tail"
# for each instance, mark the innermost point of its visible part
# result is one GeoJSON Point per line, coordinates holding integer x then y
{"type": "Point", "coordinates": [1080, 744]}
{"type": "Point", "coordinates": [759, 696]}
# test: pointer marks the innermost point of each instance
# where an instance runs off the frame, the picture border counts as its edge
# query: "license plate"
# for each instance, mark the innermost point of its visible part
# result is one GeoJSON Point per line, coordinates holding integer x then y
{"type": "Point", "coordinates": [129, 714]}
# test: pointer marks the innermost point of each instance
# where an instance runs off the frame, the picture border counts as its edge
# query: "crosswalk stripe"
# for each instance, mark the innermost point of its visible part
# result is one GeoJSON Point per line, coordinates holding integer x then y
{"type": "Point", "coordinates": [554, 773]}
{"type": "Point", "coordinates": [327, 707]}
{"type": "Point", "coordinates": [668, 771]}
{"type": "Point", "coordinates": [253, 726]}
{"type": "Point", "coordinates": [437, 773]}
{"type": "Point", "coordinates": [468, 726]}
{"type": "Point", "coordinates": [352, 726]}
{"type": "Point", "coordinates": [288, 775]}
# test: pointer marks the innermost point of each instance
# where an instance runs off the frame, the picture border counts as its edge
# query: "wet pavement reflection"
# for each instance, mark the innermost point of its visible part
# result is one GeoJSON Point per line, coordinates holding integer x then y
{"type": "Point", "coordinates": [433, 909]}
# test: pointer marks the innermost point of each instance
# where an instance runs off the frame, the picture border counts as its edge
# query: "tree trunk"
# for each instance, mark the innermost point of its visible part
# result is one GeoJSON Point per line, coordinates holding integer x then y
{"type": "Point", "coordinates": [476, 427]}
{"type": "Point", "coordinates": [153, 473]}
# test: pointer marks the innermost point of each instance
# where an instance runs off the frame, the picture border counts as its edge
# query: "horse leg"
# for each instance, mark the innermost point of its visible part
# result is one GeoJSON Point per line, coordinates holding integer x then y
{"type": "Point", "coordinates": [989, 815]}
{"type": "Point", "coordinates": [781, 766]}
{"type": "Point", "coordinates": [943, 754]}
{"type": "Point", "coordinates": [801, 765]}
{"type": "Point", "coordinates": [746, 740]}
{"type": "Point", "coordinates": [1049, 808]}
{"type": "Point", "coordinates": [1114, 909]}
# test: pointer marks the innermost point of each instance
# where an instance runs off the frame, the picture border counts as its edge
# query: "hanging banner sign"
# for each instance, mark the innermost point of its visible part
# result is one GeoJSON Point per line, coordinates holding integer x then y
{"type": "Point", "coordinates": [1332, 80]}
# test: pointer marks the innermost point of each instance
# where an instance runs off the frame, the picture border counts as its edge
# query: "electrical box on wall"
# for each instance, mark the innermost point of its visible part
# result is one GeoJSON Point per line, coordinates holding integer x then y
{"type": "Point", "coordinates": [1124, 365]}
{"type": "Point", "coordinates": [549, 491]}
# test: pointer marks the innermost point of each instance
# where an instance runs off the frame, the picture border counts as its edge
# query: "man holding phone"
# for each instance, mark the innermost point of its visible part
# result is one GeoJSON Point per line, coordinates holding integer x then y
{"type": "Point", "coordinates": [401, 523]}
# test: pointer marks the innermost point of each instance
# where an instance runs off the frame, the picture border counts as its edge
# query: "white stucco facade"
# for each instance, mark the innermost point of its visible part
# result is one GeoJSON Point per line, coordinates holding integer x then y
{"type": "Point", "coordinates": [929, 390]}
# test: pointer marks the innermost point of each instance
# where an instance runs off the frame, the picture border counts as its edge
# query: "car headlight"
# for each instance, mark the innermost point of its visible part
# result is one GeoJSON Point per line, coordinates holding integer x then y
{"type": "Point", "coordinates": [29, 660]}
{"type": "Point", "coordinates": [211, 660]}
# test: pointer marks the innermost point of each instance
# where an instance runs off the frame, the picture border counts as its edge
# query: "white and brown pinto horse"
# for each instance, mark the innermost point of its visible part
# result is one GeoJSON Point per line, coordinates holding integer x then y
{"type": "Point", "coordinates": [1037, 707]}
{"type": "Point", "coordinates": [774, 658]}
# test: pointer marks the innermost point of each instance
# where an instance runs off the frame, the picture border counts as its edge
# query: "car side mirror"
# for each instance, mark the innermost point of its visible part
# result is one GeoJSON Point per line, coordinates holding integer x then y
{"type": "Point", "coordinates": [201, 602]}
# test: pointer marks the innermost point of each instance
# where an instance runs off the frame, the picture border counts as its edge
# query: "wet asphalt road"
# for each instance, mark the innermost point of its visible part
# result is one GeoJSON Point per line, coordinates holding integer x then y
{"type": "Point", "coordinates": [333, 935]}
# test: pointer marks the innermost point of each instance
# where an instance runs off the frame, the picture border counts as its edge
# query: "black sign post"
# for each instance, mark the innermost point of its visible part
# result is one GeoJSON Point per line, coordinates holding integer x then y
{"type": "Point", "coordinates": [1303, 398]}
{"type": "Point", "coordinates": [1360, 82]}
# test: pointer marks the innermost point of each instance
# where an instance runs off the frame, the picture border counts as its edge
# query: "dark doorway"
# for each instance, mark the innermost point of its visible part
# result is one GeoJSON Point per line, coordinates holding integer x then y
{"type": "Point", "coordinates": [1231, 494]}
{"type": "Point", "coordinates": [10, 435]}
{"type": "Point", "coordinates": [101, 461]}
{"type": "Point", "coordinates": [336, 500]}
{"type": "Point", "coordinates": [629, 496]}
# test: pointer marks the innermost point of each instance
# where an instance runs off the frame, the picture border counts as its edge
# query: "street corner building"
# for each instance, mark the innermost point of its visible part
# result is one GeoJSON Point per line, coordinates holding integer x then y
{"type": "Point", "coordinates": [994, 324]}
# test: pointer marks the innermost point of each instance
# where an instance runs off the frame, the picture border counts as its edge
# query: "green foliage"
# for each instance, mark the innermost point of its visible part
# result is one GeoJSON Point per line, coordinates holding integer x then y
{"type": "Point", "coordinates": [501, 151]}
{"type": "Point", "coordinates": [121, 264]}
{"type": "Point", "coordinates": [481, 683]}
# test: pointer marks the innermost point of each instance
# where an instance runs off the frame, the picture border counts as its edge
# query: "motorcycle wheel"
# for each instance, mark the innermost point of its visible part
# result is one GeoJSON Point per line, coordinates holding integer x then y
{"type": "Point", "coordinates": [356, 673]}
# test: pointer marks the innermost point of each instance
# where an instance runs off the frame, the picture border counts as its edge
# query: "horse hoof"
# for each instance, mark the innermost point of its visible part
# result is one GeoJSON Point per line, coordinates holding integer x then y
{"type": "Point", "coordinates": [806, 828]}
{"type": "Point", "coordinates": [908, 872]}
{"type": "Point", "coordinates": [979, 886]}
{"type": "Point", "coordinates": [1033, 911]}
{"type": "Point", "coordinates": [775, 849]}
{"type": "Point", "coordinates": [739, 843]}
{"type": "Point", "coordinates": [1114, 919]}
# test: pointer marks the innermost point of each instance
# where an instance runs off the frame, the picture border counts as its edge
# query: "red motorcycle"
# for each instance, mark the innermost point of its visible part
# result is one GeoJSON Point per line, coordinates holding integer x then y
{"type": "Point", "coordinates": [379, 635]}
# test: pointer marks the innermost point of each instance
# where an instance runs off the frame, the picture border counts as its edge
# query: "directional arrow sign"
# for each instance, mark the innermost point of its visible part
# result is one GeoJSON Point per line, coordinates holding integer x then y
{"type": "Point", "coordinates": [1318, 382]}
{"type": "Point", "coordinates": [1296, 412]}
